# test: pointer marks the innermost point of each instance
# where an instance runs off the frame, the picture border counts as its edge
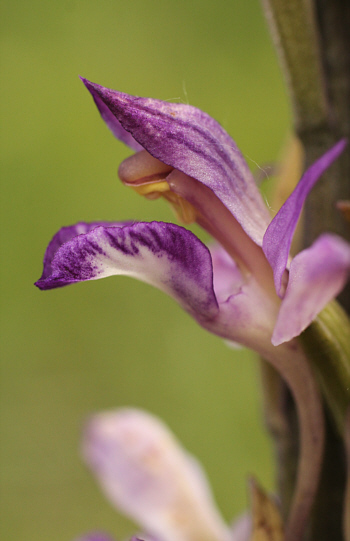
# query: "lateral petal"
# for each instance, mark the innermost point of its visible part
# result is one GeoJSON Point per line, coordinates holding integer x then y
{"type": "Point", "coordinates": [164, 255]}
{"type": "Point", "coordinates": [145, 473]}
{"type": "Point", "coordinates": [279, 234]}
{"type": "Point", "coordinates": [317, 275]}
{"type": "Point", "coordinates": [189, 140]}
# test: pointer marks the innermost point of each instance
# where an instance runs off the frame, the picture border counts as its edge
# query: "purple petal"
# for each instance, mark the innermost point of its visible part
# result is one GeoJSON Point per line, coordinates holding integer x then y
{"type": "Point", "coordinates": [164, 255]}
{"type": "Point", "coordinates": [145, 473]}
{"type": "Point", "coordinates": [279, 234]}
{"type": "Point", "coordinates": [112, 122]}
{"type": "Point", "coordinates": [67, 233]}
{"type": "Point", "coordinates": [191, 141]}
{"type": "Point", "coordinates": [317, 275]}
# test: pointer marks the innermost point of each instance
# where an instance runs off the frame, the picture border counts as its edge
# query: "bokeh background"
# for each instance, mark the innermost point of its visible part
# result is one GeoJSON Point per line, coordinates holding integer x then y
{"type": "Point", "coordinates": [116, 342]}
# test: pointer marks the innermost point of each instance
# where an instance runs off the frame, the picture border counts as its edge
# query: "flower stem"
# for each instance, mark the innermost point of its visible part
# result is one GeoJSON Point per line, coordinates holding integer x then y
{"type": "Point", "coordinates": [294, 32]}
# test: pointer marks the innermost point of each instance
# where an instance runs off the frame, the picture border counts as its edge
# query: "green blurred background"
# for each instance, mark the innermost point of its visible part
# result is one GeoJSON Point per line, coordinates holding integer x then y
{"type": "Point", "coordinates": [116, 342]}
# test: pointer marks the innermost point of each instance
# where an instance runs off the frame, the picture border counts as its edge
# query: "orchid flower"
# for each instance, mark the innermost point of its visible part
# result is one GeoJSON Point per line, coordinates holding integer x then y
{"type": "Point", "coordinates": [146, 474]}
{"type": "Point", "coordinates": [185, 156]}
{"type": "Point", "coordinates": [243, 289]}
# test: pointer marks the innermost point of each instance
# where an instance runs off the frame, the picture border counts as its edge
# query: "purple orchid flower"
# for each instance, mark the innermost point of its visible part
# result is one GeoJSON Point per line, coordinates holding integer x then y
{"type": "Point", "coordinates": [147, 475]}
{"type": "Point", "coordinates": [242, 289]}
{"type": "Point", "coordinates": [186, 156]}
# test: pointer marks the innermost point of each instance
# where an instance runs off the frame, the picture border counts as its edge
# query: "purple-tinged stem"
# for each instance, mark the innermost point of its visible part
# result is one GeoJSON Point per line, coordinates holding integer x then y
{"type": "Point", "coordinates": [291, 363]}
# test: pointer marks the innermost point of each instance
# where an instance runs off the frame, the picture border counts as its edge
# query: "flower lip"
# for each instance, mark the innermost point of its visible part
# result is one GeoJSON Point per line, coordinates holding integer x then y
{"type": "Point", "coordinates": [164, 255]}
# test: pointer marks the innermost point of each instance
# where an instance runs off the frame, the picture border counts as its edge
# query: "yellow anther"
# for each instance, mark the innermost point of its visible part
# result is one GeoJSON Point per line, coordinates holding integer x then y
{"type": "Point", "coordinates": [184, 211]}
{"type": "Point", "coordinates": [152, 190]}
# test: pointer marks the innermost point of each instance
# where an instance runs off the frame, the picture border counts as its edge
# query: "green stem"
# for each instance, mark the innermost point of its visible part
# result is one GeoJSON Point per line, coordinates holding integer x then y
{"type": "Point", "coordinates": [293, 28]}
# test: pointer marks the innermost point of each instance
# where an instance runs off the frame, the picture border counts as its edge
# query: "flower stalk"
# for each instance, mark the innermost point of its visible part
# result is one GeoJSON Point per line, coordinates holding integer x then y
{"type": "Point", "coordinates": [293, 366]}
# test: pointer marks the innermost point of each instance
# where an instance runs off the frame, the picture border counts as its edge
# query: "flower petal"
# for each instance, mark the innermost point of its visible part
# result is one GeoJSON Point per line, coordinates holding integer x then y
{"type": "Point", "coordinates": [191, 141]}
{"type": "Point", "coordinates": [67, 233]}
{"type": "Point", "coordinates": [279, 234]}
{"type": "Point", "coordinates": [146, 474]}
{"type": "Point", "coordinates": [164, 255]}
{"type": "Point", "coordinates": [112, 122]}
{"type": "Point", "coordinates": [317, 275]}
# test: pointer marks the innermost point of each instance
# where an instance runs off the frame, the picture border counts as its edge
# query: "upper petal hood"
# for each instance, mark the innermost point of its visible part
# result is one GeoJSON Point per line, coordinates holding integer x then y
{"type": "Point", "coordinates": [113, 123]}
{"type": "Point", "coordinates": [164, 255]}
{"type": "Point", "coordinates": [191, 141]}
